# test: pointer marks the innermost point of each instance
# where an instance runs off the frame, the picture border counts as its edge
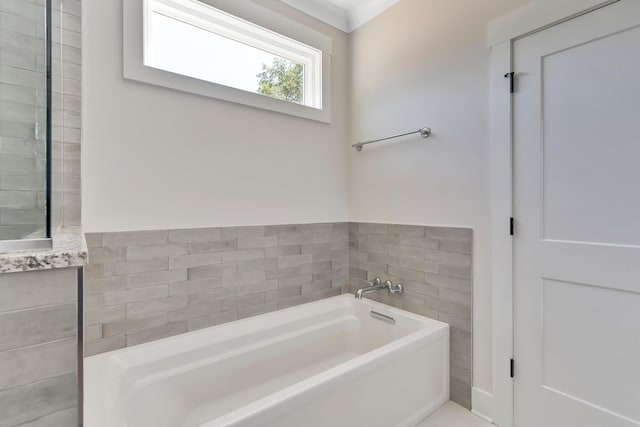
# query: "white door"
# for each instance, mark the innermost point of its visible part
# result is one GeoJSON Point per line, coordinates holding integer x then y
{"type": "Point", "coordinates": [577, 209]}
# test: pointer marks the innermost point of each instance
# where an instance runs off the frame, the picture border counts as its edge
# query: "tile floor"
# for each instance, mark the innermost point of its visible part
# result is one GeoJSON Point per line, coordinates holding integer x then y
{"type": "Point", "coordinates": [453, 415]}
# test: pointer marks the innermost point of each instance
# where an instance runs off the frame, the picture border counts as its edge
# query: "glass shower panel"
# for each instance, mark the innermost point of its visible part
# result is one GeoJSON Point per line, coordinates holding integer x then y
{"type": "Point", "coordinates": [24, 106]}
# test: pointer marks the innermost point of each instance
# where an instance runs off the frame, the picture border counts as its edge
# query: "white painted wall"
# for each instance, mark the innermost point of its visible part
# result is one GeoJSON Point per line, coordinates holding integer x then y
{"type": "Point", "coordinates": [426, 63]}
{"type": "Point", "coordinates": [154, 158]}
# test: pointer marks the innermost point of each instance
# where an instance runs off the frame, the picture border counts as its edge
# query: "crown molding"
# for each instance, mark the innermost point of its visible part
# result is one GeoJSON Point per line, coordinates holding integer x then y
{"type": "Point", "coordinates": [366, 10]}
{"type": "Point", "coordinates": [323, 11]}
{"type": "Point", "coordinates": [344, 20]}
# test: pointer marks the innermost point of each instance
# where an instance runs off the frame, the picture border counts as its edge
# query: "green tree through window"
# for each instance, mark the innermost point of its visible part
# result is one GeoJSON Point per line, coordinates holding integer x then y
{"type": "Point", "coordinates": [283, 79]}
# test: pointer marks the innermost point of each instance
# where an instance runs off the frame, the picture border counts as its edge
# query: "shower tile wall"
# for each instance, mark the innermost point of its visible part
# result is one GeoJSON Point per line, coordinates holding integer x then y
{"type": "Point", "coordinates": [142, 286]}
{"type": "Point", "coordinates": [434, 264]}
{"type": "Point", "coordinates": [23, 116]}
{"type": "Point", "coordinates": [66, 120]}
{"type": "Point", "coordinates": [38, 348]}
{"type": "Point", "coordinates": [22, 119]}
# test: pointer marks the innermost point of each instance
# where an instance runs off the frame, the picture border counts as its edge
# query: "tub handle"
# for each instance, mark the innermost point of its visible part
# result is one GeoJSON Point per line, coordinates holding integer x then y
{"type": "Point", "coordinates": [382, 317]}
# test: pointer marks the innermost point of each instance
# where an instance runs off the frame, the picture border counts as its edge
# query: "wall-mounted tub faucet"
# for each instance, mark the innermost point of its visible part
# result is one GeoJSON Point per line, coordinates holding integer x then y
{"type": "Point", "coordinates": [376, 285]}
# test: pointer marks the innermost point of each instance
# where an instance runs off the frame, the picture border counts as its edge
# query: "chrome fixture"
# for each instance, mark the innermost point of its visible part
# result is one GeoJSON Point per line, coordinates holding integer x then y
{"type": "Point", "coordinates": [377, 285]}
{"type": "Point", "coordinates": [382, 317]}
{"type": "Point", "coordinates": [424, 132]}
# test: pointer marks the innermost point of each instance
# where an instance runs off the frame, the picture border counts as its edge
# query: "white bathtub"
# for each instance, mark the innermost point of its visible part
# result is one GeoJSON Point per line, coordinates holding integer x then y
{"type": "Point", "coordinates": [323, 364]}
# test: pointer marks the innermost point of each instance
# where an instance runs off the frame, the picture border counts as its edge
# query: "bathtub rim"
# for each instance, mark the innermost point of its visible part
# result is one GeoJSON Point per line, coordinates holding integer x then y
{"type": "Point", "coordinates": [98, 402]}
{"type": "Point", "coordinates": [437, 324]}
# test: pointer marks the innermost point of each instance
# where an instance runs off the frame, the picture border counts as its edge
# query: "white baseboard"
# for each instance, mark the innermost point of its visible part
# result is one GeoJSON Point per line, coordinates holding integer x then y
{"type": "Point", "coordinates": [481, 403]}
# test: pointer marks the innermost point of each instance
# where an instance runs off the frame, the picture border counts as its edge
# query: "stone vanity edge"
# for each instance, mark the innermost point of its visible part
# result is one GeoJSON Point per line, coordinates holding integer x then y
{"type": "Point", "coordinates": [69, 249]}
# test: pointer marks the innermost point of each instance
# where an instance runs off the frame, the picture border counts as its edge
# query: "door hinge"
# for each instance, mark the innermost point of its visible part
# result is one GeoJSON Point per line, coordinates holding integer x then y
{"type": "Point", "coordinates": [512, 226]}
{"type": "Point", "coordinates": [512, 81]}
{"type": "Point", "coordinates": [511, 368]}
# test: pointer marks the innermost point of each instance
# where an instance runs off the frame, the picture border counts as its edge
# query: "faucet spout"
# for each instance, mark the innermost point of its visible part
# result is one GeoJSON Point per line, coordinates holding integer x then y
{"type": "Point", "coordinates": [376, 285]}
{"type": "Point", "coordinates": [371, 288]}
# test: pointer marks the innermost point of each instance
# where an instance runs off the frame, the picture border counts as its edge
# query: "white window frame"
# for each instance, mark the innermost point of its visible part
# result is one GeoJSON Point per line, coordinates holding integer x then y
{"type": "Point", "coordinates": [245, 22]}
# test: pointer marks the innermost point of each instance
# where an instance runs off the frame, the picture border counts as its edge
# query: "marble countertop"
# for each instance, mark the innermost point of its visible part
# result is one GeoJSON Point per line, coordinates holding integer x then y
{"type": "Point", "coordinates": [69, 250]}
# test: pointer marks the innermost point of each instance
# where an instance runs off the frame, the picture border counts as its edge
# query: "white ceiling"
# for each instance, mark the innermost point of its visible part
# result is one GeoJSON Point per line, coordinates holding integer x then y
{"type": "Point", "coordinates": [346, 15]}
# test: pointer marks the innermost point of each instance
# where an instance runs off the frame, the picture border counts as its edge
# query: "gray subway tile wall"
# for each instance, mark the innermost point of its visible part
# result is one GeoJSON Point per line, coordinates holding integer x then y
{"type": "Point", "coordinates": [142, 286]}
{"type": "Point", "coordinates": [38, 348]}
{"type": "Point", "coordinates": [434, 264]}
{"type": "Point", "coordinates": [66, 119]}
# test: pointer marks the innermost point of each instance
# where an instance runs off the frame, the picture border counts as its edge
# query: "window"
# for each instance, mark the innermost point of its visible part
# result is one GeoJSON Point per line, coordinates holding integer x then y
{"type": "Point", "coordinates": [191, 45]}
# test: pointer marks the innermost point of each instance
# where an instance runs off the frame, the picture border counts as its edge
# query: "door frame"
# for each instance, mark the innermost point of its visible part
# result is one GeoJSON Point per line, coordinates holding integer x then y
{"type": "Point", "coordinates": [502, 33]}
